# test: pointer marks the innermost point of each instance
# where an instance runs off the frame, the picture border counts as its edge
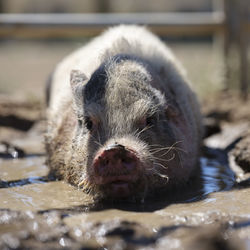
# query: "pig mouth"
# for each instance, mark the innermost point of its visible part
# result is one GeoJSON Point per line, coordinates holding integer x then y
{"type": "Point", "coordinates": [104, 180]}
{"type": "Point", "coordinates": [120, 186]}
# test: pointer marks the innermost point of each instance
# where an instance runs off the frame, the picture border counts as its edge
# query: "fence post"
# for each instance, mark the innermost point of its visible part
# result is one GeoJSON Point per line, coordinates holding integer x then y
{"type": "Point", "coordinates": [243, 48]}
{"type": "Point", "coordinates": [236, 14]}
{"type": "Point", "coordinates": [1, 6]}
{"type": "Point", "coordinates": [230, 34]}
{"type": "Point", "coordinates": [227, 45]}
{"type": "Point", "coordinates": [103, 6]}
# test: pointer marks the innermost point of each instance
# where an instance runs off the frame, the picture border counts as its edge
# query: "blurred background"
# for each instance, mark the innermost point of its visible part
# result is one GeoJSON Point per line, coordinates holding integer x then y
{"type": "Point", "coordinates": [27, 57]}
{"type": "Point", "coordinates": [84, 6]}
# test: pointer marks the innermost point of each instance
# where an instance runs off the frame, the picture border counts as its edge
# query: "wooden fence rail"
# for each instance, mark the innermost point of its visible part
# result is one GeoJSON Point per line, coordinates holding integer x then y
{"type": "Point", "coordinates": [64, 25]}
{"type": "Point", "coordinates": [164, 24]}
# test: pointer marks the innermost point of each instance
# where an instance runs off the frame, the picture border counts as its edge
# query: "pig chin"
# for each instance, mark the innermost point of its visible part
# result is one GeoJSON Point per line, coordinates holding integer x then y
{"type": "Point", "coordinates": [119, 188]}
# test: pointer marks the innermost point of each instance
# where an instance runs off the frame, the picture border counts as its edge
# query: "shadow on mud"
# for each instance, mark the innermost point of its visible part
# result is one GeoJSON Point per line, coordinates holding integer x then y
{"type": "Point", "coordinates": [25, 181]}
{"type": "Point", "coordinates": [16, 122]}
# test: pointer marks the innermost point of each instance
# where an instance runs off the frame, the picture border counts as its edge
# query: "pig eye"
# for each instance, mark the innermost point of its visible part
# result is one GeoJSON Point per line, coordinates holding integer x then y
{"type": "Point", "coordinates": [146, 122]}
{"type": "Point", "coordinates": [79, 122]}
{"type": "Point", "coordinates": [88, 123]}
{"type": "Point", "coordinates": [149, 121]}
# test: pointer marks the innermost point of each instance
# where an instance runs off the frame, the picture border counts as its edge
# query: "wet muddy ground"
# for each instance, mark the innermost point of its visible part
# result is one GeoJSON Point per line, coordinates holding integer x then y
{"type": "Point", "coordinates": [37, 212]}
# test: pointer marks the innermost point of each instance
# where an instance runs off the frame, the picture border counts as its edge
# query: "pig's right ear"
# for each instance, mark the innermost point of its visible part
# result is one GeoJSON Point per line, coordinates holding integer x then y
{"type": "Point", "coordinates": [77, 78]}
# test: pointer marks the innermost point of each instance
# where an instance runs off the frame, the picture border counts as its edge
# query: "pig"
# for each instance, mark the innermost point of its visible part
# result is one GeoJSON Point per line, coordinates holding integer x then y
{"type": "Point", "coordinates": [123, 120]}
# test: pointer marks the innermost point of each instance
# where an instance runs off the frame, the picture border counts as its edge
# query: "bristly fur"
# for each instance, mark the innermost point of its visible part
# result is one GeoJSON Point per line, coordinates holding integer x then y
{"type": "Point", "coordinates": [120, 79]}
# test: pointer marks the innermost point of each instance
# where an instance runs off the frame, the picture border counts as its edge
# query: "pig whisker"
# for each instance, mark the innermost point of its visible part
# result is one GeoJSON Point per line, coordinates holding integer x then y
{"type": "Point", "coordinates": [97, 142]}
{"type": "Point", "coordinates": [159, 145]}
{"type": "Point", "coordinates": [138, 133]}
{"type": "Point", "coordinates": [175, 143]}
{"type": "Point", "coordinates": [168, 149]}
{"type": "Point", "coordinates": [99, 138]}
{"type": "Point", "coordinates": [85, 186]}
{"type": "Point", "coordinates": [171, 158]}
{"type": "Point", "coordinates": [161, 159]}
{"type": "Point", "coordinates": [180, 159]}
{"type": "Point", "coordinates": [155, 150]}
{"type": "Point", "coordinates": [160, 174]}
{"type": "Point", "coordinates": [163, 176]}
{"type": "Point", "coordinates": [161, 165]}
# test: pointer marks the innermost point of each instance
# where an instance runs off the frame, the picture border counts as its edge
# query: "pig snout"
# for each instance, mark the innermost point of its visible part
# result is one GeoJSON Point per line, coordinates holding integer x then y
{"type": "Point", "coordinates": [117, 168]}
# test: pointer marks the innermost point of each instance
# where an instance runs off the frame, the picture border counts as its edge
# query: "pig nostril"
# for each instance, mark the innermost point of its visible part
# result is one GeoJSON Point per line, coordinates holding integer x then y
{"type": "Point", "coordinates": [127, 160]}
{"type": "Point", "coordinates": [128, 163]}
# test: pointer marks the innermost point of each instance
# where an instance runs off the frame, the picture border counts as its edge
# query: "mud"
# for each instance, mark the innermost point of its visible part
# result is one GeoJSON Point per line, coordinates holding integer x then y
{"type": "Point", "coordinates": [241, 153]}
{"type": "Point", "coordinates": [52, 230]}
{"type": "Point", "coordinates": [19, 114]}
{"type": "Point", "coordinates": [37, 212]}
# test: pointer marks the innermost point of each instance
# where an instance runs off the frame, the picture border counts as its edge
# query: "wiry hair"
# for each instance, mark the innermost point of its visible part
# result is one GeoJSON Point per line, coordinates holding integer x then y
{"type": "Point", "coordinates": [135, 92]}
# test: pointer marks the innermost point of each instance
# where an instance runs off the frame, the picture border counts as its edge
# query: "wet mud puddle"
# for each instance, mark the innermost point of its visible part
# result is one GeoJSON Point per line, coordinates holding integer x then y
{"type": "Point", "coordinates": [25, 185]}
{"type": "Point", "coordinates": [40, 212]}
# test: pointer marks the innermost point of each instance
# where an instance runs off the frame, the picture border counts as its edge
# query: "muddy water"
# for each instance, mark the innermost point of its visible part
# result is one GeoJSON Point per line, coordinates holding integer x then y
{"type": "Point", "coordinates": [41, 208]}
{"type": "Point", "coordinates": [25, 186]}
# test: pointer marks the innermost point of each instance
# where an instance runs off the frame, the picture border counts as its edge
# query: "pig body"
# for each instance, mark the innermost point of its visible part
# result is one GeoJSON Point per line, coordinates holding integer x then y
{"type": "Point", "coordinates": [123, 121]}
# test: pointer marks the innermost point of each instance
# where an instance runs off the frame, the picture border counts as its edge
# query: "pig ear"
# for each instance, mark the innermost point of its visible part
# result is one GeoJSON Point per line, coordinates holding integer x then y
{"type": "Point", "coordinates": [77, 78]}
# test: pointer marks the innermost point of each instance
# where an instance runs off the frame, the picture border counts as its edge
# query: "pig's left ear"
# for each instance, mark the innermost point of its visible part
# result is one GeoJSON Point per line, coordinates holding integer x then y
{"type": "Point", "coordinates": [77, 78]}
